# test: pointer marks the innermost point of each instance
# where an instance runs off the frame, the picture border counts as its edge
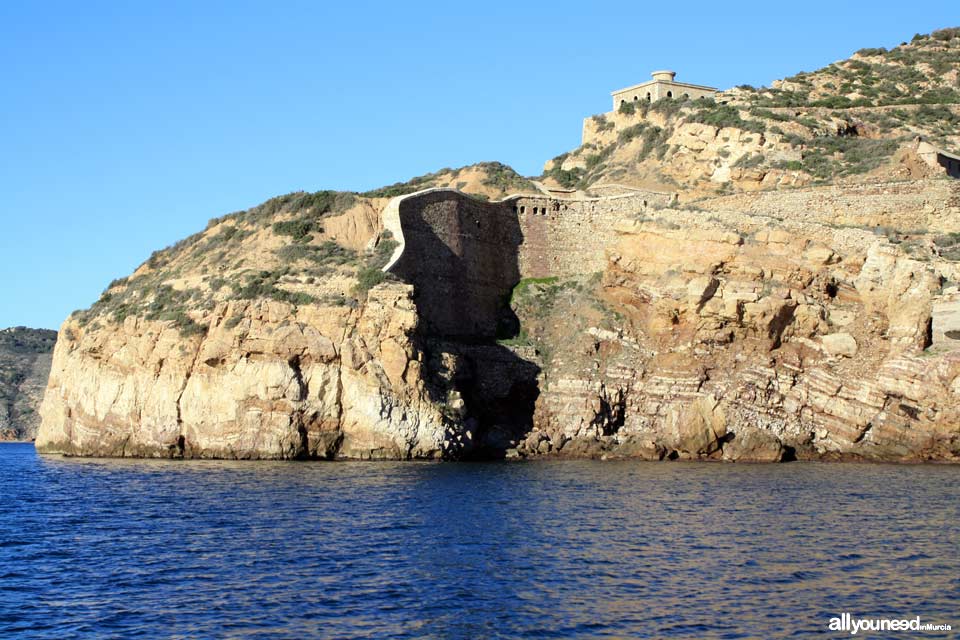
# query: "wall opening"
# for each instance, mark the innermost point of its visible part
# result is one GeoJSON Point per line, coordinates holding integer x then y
{"type": "Point", "coordinates": [669, 94]}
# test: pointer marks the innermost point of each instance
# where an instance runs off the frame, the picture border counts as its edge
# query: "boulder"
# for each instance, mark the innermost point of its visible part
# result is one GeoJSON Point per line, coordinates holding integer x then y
{"type": "Point", "coordinates": [840, 344]}
{"type": "Point", "coordinates": [752, 445]}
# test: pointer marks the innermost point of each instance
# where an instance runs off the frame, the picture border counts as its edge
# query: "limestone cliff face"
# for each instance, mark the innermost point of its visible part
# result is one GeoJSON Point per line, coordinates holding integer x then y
{"type": "Point", "coordinates": [760, 345]}
{"type": "Point", "coordinates": [262, 382]}
{"type": "Point", "coordinates": [723, 335]}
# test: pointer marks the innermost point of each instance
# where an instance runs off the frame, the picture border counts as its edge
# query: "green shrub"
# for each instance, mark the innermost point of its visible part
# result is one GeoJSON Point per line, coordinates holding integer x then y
{"type": "Point", "coordinates": [724, 115]}
{"type": "Point", "coordinates": [371, 273]}
{"type": "Point", "coordinates": [631, 132]}
{"type": "Point", "coordinates": [264, 285]}
{"type": "Point", "coordinates": [568, 179]}
{"type": "Point", "coordinates": [299, 229]}
{"type": "Point", "coordinates": [669, 107]}
{"type": "Point", "coordinates": [328, 253]}
{"type": "Point", "coordinates": [602, 123]}
{"type": "Point", "coordinates": [654, 139]}
{"type": "Point", "coordinates": [749, 160]}
{"type": "Point", "coordinates": [502, 177]}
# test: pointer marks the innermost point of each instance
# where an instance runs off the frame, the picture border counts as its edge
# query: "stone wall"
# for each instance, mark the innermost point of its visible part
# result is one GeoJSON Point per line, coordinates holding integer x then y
{"type": "Point", "coordinates": [473, 252]}
{"type": "Point", "coordinates": [460, 254]}
{"type": "Point", "coordinates": [566, 237]}
{"type": "Point", "coordinates": [917, 204]}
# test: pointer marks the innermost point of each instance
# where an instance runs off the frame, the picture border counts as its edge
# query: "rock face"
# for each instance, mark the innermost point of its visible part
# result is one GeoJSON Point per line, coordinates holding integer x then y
{"type": "Point", "coordinates": [261, 383]}
{"type": "Point", "coordinates": [25, 356]}
{"type": "Point", "coordinates": [702, 338]}
{"type": "Point", "coordinates": [723, 344]}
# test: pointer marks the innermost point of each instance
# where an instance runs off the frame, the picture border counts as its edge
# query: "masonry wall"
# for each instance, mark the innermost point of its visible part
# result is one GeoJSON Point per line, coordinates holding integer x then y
{"type": "Point", "coordinates": [461, 256]}
{"type": "Point", "coordinates": [464, 255]}
{"type": "Point", "coordinates": [656, 90]}
{"type": "Point", "coordinates": [567, 237]}
{"type": "Point", "coordinates": [918, 204]}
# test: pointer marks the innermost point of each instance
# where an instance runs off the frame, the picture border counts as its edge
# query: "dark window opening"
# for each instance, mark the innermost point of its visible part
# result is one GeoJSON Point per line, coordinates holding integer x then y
{"type": "Point", "coordinates": [669, 94]}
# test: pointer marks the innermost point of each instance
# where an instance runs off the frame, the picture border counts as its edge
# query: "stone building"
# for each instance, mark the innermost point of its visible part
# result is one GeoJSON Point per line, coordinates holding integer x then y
{"type": "Point", "coordinates": [663, 85]}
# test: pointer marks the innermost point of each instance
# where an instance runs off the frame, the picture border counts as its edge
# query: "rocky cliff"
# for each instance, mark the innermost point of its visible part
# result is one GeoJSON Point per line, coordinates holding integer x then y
{"type": "Point", "coordinates": [25, 356]}
{"type": "Point", "coordinates": [819, 321]}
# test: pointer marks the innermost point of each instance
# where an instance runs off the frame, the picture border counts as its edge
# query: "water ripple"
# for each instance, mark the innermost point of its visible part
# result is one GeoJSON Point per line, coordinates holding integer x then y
{"type": "Point", "coordinates": [545, 550]}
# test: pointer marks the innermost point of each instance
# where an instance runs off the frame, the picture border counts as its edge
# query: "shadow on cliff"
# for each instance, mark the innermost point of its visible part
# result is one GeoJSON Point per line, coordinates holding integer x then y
{"type": "Point", "coordinates": [461, 255]}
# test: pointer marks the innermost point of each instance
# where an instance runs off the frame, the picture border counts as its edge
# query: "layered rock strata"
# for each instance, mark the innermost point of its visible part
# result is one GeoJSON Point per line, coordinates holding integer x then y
{"type": "Point", "coordinates": [724, 336]}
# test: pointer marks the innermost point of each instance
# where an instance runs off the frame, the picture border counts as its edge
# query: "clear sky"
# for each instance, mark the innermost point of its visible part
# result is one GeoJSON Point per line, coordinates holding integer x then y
{"type": "Point", "coordinates": [125, 126]}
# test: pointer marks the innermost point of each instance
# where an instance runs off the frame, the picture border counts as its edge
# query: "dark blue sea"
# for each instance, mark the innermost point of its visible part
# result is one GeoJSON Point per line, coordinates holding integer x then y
{"type": "Point", "coordinates": [207, 549]}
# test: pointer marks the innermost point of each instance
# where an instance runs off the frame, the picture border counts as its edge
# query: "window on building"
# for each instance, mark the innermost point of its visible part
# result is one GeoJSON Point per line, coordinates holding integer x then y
{"type": "Point", "coordinates": [686, 96]}
{"type": "Point", "coordinates": [634, 98]}
{"type": "Point", "coordinates": [648, 96]}
{"type": "Point", "coordinates": [523, 209]}
{"type": "Point", "coordinates": [669, 94]}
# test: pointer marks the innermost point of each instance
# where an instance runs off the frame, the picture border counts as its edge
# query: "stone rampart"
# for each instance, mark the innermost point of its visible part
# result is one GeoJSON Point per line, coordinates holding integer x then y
{"type": "Point", "coordinates": [916, 204]}
{"type": "Point", "coordinates": [473, 252]}
{"type": "Point", "coordinates": [564, 237]}
{"type": "Point", "coordinates": [461, 255]}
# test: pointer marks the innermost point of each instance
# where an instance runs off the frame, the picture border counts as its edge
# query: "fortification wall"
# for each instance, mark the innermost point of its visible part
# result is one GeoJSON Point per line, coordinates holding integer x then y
{"type": "Point", "coordinates": [465, 255]}
{"type": "Point", "coordinates": [567, 237]}
{"type": "Point", "coordinates": [916, 204]}
{"type": "Point", "coordinates": [461, 256]}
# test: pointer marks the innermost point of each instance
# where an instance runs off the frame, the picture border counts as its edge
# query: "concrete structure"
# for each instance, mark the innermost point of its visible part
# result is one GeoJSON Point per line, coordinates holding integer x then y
{"type": "Point", "coordinates": [663, 85]}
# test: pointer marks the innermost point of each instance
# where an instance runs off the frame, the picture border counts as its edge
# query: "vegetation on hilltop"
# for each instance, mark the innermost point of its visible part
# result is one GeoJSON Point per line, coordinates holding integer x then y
{"type": "Point", "coordinates": [840, 122]}
{"type": "Point", "coordinates": [277, 250]}
{"type": "Point", "coordinates": [215, 265]}
{"type": "Point", "coordinates": [485, 179]}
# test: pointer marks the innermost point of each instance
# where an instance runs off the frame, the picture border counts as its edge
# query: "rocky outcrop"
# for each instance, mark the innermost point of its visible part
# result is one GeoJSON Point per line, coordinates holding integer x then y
{"type": "Point", "coordinates": [753, 345]}
{"type": "Point", "coordinates": [716, 338]}
{"type": "Point", "coordinates": [262, 382]}
{"type": "Point", "coordinates": [25, 356]}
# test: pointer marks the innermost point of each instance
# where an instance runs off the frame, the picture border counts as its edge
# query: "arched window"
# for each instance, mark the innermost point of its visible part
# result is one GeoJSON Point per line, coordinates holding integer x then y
{"type": "Point", "coordinates": [648, 96]}
{"type": "Point", "coordinates": [634, 98]}
{"type": "Point", "coordinates": [623, 102]}
{"type": "Point", "coordinates": [669, 94]}
{"type": "Point", "coordinates": [686, 96]}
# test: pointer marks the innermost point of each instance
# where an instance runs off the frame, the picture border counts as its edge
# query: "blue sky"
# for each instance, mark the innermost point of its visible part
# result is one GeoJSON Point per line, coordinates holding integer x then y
{"type": "Point", "coordinates": [125, 126]}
